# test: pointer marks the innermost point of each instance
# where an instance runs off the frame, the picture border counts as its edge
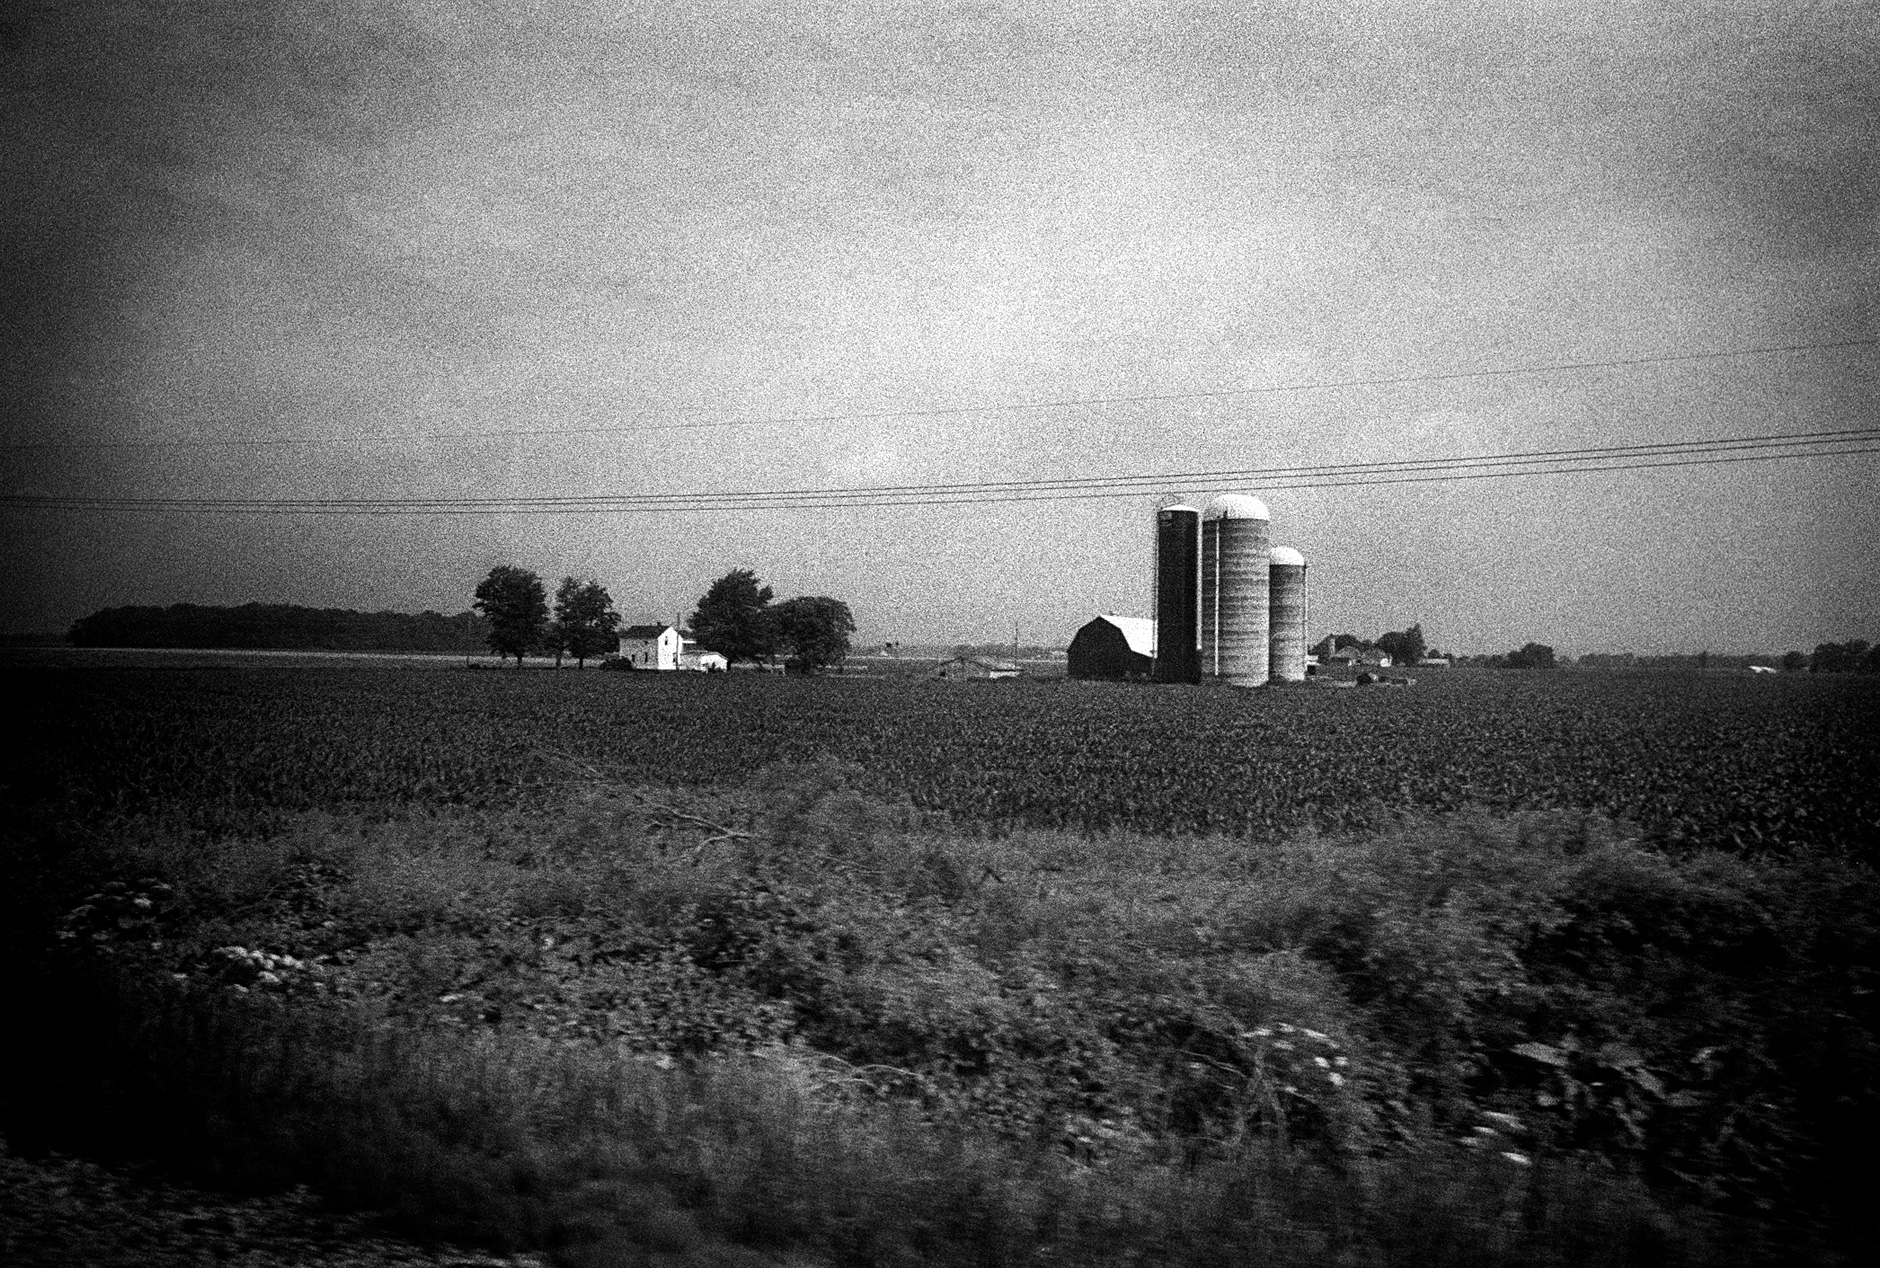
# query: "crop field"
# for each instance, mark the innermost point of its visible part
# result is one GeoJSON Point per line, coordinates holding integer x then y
{"type": "Point", "coordinates": [1748, 764]}
{"type": "Point", "coordinates": [1504, 968]}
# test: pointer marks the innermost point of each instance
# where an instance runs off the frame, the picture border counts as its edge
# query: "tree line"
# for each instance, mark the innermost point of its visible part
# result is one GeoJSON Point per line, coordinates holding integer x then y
{"type": "Point", "coordinates": [1855, 656]}
{"type": "Point", "coordinates": [280, 627]}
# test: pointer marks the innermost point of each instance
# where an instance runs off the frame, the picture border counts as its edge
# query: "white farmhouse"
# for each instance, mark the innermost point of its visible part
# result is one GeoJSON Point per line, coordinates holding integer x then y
{"type": "Point", "coordinates": [651, 646]}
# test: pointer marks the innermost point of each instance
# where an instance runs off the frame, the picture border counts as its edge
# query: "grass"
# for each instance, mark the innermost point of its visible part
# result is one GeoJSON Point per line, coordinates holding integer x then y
{"type": "Point", "coordinates": [788, 1022]}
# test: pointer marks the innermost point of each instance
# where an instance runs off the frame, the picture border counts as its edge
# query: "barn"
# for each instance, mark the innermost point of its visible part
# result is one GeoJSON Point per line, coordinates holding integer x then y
{"type": "Point", "coordinates": [1112, 646]}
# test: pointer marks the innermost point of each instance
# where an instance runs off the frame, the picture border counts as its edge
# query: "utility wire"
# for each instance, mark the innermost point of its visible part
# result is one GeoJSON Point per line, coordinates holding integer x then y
{"type": "Point", "coordinates": [1841, 443]}
{"type": "Point", "coordinates": [1557, 367]}
{"type": "Point", "coordinates": [1152, 480]}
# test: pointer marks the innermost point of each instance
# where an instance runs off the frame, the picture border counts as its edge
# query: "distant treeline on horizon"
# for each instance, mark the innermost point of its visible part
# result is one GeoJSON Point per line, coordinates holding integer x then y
{"type": "Point", "coordinates": [282, 627]}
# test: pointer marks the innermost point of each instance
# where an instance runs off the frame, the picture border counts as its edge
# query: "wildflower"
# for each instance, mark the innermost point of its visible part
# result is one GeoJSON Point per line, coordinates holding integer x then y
{"type": "Point", "coordinates": [1321, 1063]}
{"type": "Point", "coordinates": [1337, 1079]}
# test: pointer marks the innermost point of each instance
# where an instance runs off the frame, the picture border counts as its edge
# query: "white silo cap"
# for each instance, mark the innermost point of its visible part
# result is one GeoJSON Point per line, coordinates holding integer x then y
{"type": "Point", "coordinates": [1287, 555]}
{"type": "Point", "coordinates": [1237, 506]}
{"type": "Point", "coordinates": [1178, 506]}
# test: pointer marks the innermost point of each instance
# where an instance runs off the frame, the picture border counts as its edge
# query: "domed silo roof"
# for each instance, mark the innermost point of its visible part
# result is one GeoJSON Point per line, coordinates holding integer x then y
{"type": "Point", "coordinates": [1236, 506]}
{"type": "Point", "coordinates": [1287, 556]}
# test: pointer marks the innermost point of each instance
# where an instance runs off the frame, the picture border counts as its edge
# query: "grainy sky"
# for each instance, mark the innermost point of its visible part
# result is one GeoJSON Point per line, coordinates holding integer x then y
{"type": "Point", "coordinates": [366, 224]}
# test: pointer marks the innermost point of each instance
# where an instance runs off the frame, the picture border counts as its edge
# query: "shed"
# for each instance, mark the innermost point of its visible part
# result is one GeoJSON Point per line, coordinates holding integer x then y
{"type": "Point", "coordinates": [964, 667]}
{"type": "Point", "coordinates": [1111, 646]}
{"type": "Point", "coordinates": [701, 659]}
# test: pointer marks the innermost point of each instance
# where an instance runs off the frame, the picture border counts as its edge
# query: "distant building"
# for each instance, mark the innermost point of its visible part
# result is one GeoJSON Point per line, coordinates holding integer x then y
{"type": "Point", "coordinates": [699, 659]}
{"type": "Point", "coordinates": [1112, 646]}
{"type": "Point", "coordinates": [964, 667]}
{"type": "Point", "coordinates": [651, 646]}
{"type": "Point", "coordinates": [1360, 658]}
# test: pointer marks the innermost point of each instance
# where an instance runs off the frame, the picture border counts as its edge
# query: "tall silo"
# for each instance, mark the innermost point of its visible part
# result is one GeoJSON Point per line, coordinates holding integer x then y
{"type": "Point", "coordinates": [1177, 610]}
{"type": "Point", "coordinates": [1234, 579]}
{"type": "Point", "coordinates": [1286, 608]}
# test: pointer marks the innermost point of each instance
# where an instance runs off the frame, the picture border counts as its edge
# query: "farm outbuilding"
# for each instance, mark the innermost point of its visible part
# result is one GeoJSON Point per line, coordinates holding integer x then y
{"type": "Point", "coordinates": [1112, 646]}
{"type": "Point", "coordinates": [701, 660]}
{"type": "Point", "coordinates": [961, 668]}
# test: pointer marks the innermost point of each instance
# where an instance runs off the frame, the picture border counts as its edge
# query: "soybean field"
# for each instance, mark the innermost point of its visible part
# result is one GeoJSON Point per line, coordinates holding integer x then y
{"type": "Point", "coordinates": [1750, 764]}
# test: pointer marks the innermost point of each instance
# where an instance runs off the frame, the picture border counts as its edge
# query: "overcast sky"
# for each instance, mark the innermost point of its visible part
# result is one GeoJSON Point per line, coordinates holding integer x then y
{"type": "Point", "coordinates": [379, 222]}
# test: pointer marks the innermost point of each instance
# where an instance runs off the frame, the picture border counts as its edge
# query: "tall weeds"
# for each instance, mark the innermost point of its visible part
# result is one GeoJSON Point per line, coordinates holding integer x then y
{"type": "Point", "coordinates": [798, 1023]}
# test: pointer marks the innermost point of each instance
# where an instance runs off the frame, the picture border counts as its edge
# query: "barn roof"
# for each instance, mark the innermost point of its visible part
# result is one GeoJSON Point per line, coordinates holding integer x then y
{"type": "Point", "coordinates": [644, 631]}
{"type": "Point", "coordinates": [1138, 631]}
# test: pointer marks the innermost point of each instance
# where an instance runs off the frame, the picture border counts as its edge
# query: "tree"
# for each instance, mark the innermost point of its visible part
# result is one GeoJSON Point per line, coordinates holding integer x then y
{"type": "Point", "coordinates": [1794, 662]}
{"type": "Point", "coordinates": [813, 632]}
{"type": "Point", "coordinates": [733, 617]}
{"type": "Point", "coordinates": [1839, 658]}
{"type": "Point", "coordinates": [585, 621]}
{"type": "Point", "coordinates": [1406, 647]}
{"type": "Point", "coordinates": [513, 601]}
{"type": "Point", "coordinates": [1531, 656]}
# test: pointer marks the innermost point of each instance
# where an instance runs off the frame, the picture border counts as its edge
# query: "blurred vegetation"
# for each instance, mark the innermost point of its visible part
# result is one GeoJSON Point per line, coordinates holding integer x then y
{"type": "Point", "coordinates": [792, 1018]}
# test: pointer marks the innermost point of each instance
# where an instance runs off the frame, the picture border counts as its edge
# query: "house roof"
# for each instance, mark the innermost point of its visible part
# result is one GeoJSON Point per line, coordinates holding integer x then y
{"type": "Point", "coordinates": [644, 631]}
{"type": "Point", "coordinates": [1137, 631]}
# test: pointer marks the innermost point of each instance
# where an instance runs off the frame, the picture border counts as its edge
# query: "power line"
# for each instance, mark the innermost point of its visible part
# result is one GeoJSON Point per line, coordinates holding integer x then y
{"type": "Point", "coordinates": [1615, 458]}
{"type": "Point", "coordinates": [944, 411]}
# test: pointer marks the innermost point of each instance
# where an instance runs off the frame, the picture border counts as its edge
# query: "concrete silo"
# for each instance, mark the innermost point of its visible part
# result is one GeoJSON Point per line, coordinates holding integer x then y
{"type": "Point", "coordinates": [1234, 581]}
{"type": "Point", "coordinates": [1286, 608]}
{"type": "Point", "coordinates": [1177, 609]}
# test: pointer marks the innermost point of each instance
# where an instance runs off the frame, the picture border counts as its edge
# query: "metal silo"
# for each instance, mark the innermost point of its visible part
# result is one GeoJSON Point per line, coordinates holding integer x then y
{"type": "Point", "coordinates": [1234, 578]}
{"type": "Point", "coordinates": [1177, 610]}
{"type": "Point", "coordinates": [1286, 606]}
